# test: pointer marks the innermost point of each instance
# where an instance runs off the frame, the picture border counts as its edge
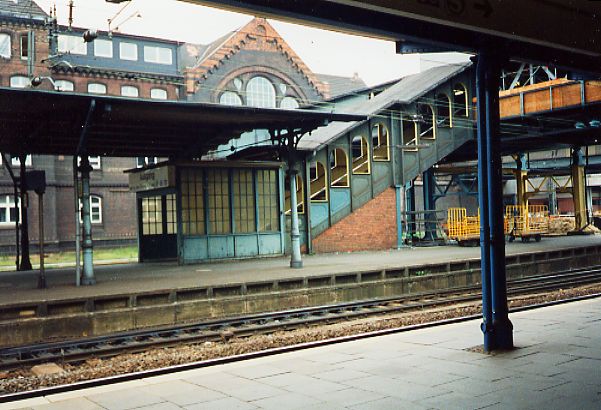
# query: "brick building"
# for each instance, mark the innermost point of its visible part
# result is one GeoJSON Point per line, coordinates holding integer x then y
{"type": "Point", "coordinates": [251, 66]}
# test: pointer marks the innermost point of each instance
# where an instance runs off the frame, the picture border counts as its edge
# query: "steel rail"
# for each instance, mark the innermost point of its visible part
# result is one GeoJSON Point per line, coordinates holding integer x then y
{"type": "Point", "coordinates": [215, 330]}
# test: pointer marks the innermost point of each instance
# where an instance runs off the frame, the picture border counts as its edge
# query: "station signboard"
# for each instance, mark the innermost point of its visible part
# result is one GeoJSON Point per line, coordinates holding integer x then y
{"type": "Point", "coordinates": [152, 178]}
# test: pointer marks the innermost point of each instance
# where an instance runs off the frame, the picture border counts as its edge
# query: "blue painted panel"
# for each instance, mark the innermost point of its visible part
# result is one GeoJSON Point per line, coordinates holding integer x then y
{"type": "Point", "coordinates": [117, 63]}
{"type": "Point", "coordinates": [195, 249]}
{"type": "Point", "coordinates": [246, 245]}
{"type": "Point", "coordinates": [319, 213]}
{"type": "Point", "coordinates": [221, 247]}
{"type": "Point", "coordinates": [270, 244]}
{"type": "Point", "coordinates": [340, 198]}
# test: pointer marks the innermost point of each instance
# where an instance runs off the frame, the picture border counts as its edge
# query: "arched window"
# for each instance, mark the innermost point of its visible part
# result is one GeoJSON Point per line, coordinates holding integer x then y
{"type": "Point", "coordinates": [97, 88]}
{"type": "Point", "coordinates": [360, 149]}
{"type": "Point", "coordinates": [460, 101]}
{"type": "Point", "coordinates": [158, 94]}
{"type": "Point", "coordinates": [260, 93]}
{"type": "Point", "coordinates": [230, 98]}
{"type": "Point", "coordinates": [380, 142]}
{"type": "Point", "coordinates": [5, 46]}
{"type": "Point", "coordinates": [443, 108]}
{"type": "Point", "coordinates": [427, 122]}
{"type": "Point", "coordinates": [410, 135]}
{"type": "Point", "coordinates": [318, 186]}
{"type": "Point", "coordinates": [64, 85]}
{"type": "Point", "coordinates": [339, 168]}
{"type": "Point", "coordinates": [19, 81]}
{"type": "Point", "coordinates": [129, 91]}
{"type": "Point", "coordinates": [289, 103]}
{"type": "Point", "coordinates": [300, 195]}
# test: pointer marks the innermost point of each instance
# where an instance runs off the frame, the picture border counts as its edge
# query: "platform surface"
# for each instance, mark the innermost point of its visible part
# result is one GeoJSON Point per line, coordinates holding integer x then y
{"type": "Point", "coordinates": [119, 279]}
{"type": "Point", "coordinates": [556, 365]}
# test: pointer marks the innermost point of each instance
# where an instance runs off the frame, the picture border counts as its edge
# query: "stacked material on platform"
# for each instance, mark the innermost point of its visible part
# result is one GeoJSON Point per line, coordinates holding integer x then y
{"type": "Point", "coordinates": [561, 225]}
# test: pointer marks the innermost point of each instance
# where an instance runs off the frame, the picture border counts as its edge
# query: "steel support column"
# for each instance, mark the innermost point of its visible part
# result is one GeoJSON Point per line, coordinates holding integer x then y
{"type": "Point", "coordinates": [400, 210]}
{"type": "Point", "coordinates": [579, 188]}
{"type": "Point", "coordinates": [87, 245]}
{"type": "Point", "coordinates": [497, 328]}
{"type": "Point", "coordinates": [429, 205]}
{"type": "Point", "coordinates": [520, 180]}
{"type": "Point", "coordinates": [25, 260]}
{"type": "Point", "coordinates": [295, 252]}
{"type": "Point", "coordinates": [410, 209]}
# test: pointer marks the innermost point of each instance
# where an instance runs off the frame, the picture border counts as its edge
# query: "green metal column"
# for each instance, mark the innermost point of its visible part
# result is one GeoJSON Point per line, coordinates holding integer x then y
{"type": "Point", "coordinates": [87, 246]}
{"type": "Point", "coordinates": [295, 253]}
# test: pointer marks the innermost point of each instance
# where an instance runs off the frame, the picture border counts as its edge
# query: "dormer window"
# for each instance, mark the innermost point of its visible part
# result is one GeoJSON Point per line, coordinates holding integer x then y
{"type": "Point", "coordinates": [128, 51]}
{"type": "Point", "coordinates": [159, 55]}
{"type": "Point", "coordinates": [103, 48]}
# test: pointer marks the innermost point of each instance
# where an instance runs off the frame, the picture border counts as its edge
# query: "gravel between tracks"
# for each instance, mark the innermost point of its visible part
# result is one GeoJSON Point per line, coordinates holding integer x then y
{"type": "Point", "coordinates": [23, 380]}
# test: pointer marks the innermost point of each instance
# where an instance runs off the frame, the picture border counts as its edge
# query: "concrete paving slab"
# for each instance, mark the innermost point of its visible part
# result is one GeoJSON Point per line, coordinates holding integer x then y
{"type": "Point", "coordinates": [491, 382]}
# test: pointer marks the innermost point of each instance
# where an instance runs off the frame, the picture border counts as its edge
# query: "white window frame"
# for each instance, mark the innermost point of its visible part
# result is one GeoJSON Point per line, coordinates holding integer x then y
{"type": "Point", "coordinates": [91, 89]}
{"type": "Point", "coordinates": [64, 85]}
{"type": "Point", "coordinates": [158, 55]}
{"type": "Point", "coordinates": [230, 98]}
{"type": "Point", "coordinates": [19, 81]}
{"type": "Point", "coordinates": [142, 162]}
{"type": "Point", "coordinates": [154, 94]}
{"type": "Point", "coordinates": [95, 201]}
{"type": "Point", "coordinates": [16, 162]}
{"type": "Point", "coordinates": [128, 51]}
{"type": "Point", "coordinates": [6, 204]}
{"type": "Point", "coordinates": [98, 52]}
{"type": "Point", "coordinates": [68, 44]}
{"type": "Point", "coordinates": [24, 36]}
{"type": "Point", "coordinates": [128, 91]}
{"type": "Point", "coordinates": [5, 52]}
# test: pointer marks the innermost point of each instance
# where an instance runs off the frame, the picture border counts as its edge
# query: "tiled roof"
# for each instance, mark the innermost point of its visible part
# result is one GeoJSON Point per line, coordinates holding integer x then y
{"type": "Point", "coordinates": [341, 85]}
{"type": "Point", "coordinates": [26, 9]}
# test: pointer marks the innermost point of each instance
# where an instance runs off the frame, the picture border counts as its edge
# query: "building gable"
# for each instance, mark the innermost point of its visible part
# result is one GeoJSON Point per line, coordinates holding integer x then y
{"type": "Point", "coordinates": [258, 36]}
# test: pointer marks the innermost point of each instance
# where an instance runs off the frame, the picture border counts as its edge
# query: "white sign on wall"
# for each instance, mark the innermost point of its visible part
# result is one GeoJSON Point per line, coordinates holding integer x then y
{"type": "Point", "coordinates": [154, 178]}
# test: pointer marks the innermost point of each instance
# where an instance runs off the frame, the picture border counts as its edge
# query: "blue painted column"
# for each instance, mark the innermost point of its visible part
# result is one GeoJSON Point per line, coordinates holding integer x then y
{"type": "Point", "coordinates": [88, 263]}
{"type": "Point", "coordinates": [429, 205]}
{"type": "Point", "coordinates": [399, 215]}
{"type": "Point", "coordinates": [410, 209]}
{"type": "Point", "coordinates": [498, 334]}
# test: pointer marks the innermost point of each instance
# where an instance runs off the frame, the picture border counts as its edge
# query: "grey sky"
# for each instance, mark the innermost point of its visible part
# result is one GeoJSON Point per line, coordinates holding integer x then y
{"type": "Point", "coordinates": [323, 51]}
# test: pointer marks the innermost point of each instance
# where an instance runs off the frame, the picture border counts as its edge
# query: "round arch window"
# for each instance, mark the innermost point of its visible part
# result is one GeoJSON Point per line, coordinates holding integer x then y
{"type": "Point", "coordinates": [289, 103]}
{"type": "Point", "coordinates": [260, 93]}
{"type": "Point", "coordinates": [230, 98]}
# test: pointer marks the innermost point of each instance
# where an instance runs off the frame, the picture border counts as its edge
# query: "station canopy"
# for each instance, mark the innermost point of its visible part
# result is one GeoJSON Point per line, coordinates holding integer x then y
{"type": "Point", "coordinates": [49, 122]}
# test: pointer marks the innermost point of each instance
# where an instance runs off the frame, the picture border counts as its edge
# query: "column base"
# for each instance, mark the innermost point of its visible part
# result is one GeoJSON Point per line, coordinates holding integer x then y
{"type": "Point", "coordinates": [88, 281]}
{"type": "Point", "coordinates": [296, 264]}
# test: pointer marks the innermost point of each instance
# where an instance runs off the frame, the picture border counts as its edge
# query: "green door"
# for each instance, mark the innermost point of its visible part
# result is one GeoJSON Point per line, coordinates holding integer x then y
{"type": "Point", "coordinates": [158, 227]}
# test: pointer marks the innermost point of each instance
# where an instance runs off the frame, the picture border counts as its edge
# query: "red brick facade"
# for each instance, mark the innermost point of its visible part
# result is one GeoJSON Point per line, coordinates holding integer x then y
{"type": "Point", "coordinates": [371, 227]}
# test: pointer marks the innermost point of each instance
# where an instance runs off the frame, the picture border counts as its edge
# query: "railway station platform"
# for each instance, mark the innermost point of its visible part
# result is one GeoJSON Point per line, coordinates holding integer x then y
{"type": "Point", "coordinates": [137, 296]}
{"type": "Point", "coordinates": [556, 365]}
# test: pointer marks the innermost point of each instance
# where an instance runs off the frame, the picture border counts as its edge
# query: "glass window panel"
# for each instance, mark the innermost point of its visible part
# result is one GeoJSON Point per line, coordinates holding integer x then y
{"type": "Point", "coordinates": [97, 88]}
{"type": "Point", "coordinates": [103, 48]}
{"type": "Point", "coordinates": [128, 51]}
{"type": "Point", "coordinates": [68, 44]}
{"type": "Point", "coordinates": [268, 201]}
{"type": "Point", "coordinates": [230, 98]}
{"type": "Point", "coordinates": [129, 91]}
{"type": "Point", "coordinates": [64, 85]}
{"type": "Point", "coordinates": [260, 92]}
{"type": "Point", "coordinates": [5, 46]}
{"type": "Point", "coordinates": [193, 216]}
{"type": "Point", "coordinates": [158, 94]}
{"type": "Point", "coordinates": [19, 81]}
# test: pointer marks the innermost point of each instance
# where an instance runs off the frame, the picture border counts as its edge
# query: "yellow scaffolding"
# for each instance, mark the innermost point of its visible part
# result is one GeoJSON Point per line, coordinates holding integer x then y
{"type": "Point", "coordinates": [526, 222]}
{"type": "Point", "coordinates": [463, 228]}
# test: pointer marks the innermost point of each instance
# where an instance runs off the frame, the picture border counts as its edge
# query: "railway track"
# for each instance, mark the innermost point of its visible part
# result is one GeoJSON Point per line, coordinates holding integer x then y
{"type": "Point", "coordinates": [215, 330]}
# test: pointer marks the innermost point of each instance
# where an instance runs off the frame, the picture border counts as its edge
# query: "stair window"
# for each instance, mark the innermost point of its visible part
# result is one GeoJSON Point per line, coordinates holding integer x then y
{"type": "Point", "coordinates": [319, 189]}
{"type": "Point", "coordinates": [410, 134]}
{"type": "Point", "coordinates": [339, 168]}
{"type": "Point", "coordinates": [427, 120]}
{"type": "Point", "coordinates": [360, 149]}
{"type": "Point", "coordinates": [300, 195]}
{"type": "Point", "coordinates": [443, 108]}
{"type": "Point", "coordinates": [460, 101]}
{"type": "Point", "coordinates": [380, 141]}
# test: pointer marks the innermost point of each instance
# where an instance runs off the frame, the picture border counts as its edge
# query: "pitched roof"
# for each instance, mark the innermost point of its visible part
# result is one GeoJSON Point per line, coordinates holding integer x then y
{"type": "Point", "coordinates": [258, 34]}
{"type": "Point", "coordinates": [24, 9]}
{"type": "Point", "coordinates": [407, 90]}
{"type": "Point", "coordinates": [341, 85]}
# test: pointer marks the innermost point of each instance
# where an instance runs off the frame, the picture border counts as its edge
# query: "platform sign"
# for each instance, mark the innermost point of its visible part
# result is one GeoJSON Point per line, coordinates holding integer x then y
{"type": "Point", "coordinates": [151, 179]}
{"type": "Point", "coordinates": [569, 25]}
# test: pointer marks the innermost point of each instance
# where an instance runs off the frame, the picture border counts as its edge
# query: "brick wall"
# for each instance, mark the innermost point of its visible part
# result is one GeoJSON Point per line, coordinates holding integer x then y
{"type": "Point", "coordinates": [371, 227]}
